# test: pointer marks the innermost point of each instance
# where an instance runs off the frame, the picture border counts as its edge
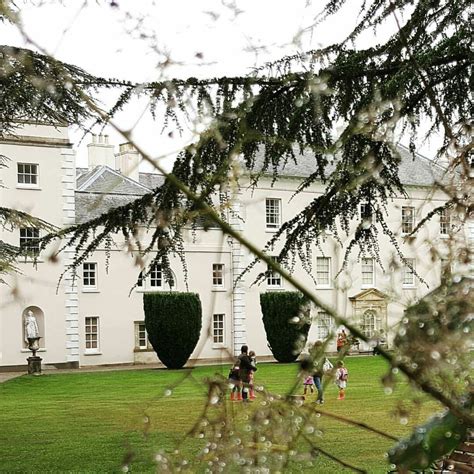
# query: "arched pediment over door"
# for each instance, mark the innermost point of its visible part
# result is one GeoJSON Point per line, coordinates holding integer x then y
{"type": "Point", "coordinates": [369, 309]}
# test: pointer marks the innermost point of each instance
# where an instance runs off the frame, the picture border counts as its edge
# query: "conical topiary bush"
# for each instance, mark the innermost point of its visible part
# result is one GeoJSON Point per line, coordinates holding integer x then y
{"type": "Point", "coordinates": [285, 323]}
{"type": "Point", "coordinates": [173, 322]}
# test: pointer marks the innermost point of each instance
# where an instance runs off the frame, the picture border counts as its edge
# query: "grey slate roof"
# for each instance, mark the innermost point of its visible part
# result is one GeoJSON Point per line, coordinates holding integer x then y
{"type": "Point", "coordinates": [80, 171]}
{"type": "Point", "coordinates": [151, 180]}
{"type": "Point", "coordinates": [102, 188]}
{"type": "Point", "coordinates": [92, 205]}
{"type": "Point", "coordinates": [418, 171]}
{"type": "Point", "coordinates": [103, 179]}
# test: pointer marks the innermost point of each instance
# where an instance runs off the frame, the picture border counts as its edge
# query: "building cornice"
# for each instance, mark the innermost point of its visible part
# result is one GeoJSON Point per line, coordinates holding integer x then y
{"type": "Point", "coordinates": [27, 140]}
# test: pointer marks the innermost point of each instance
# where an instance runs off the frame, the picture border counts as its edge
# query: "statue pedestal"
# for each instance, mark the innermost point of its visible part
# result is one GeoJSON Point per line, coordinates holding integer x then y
{"type": "Point", "coordinates": [34, 365]}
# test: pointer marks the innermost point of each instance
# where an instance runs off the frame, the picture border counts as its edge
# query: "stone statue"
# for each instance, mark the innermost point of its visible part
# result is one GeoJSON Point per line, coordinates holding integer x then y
{"type": "Point", "coordinates": [31, 326]}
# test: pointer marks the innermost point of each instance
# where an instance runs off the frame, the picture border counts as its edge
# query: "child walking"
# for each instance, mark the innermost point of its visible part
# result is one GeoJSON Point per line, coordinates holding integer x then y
{"type": "Point", "coordinates": [234, 379]}
{"type": "Point", "coordinates": [342, 375]}
{"type": "Point", "coordinates": [308, 383]}
{"type": "Point", "coordinates": [253, 360]}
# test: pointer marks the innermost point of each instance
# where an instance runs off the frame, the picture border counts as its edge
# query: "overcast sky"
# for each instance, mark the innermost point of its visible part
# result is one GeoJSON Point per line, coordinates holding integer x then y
{"type": "Point", "coordinates": [203, 38]}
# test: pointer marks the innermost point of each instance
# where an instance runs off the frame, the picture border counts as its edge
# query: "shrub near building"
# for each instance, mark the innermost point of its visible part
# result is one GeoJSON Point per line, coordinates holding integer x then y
{"type": "Point", "coordinates": [286, 323]}
{"type": "Point", "coordinates": [173, 322]}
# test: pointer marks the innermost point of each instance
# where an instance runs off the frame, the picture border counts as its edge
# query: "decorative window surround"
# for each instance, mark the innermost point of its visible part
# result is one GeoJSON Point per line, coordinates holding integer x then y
{"type": "Point", "coordinates": [369, 323]}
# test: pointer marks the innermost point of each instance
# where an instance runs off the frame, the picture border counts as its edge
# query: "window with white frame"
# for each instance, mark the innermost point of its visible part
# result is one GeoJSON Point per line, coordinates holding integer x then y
{"type": "Point", "coordinates": [89, 275]}
{"type": "Point", "coordinates": [366, 213]}
{"type": "Point", "coordinates": [369, 323]}
{"type": "Point", "coordinates": [408, 272]}
{"type": "Point", "coordinates": [27, 174]}
{"type": "Point", "coordinates": [154, 280]}
{"type": "Point", "coordinates": [323, 325]}
{"type": "Point", "coordinates": [444, 222]}
{"type": "Point", "coordinates": [368, 273]}
{"type": "Point", "coordinates": [218, 275]}
{"type": "Point", "coordinates": [273, 278]}
{"type": "Point", "coordinates": [29, 240]}
{"type": "Point", "coordinates": [470, 234]}
{"type": "Point", "coordinates": [218, 328]}
{"type": "Point", "coordinates": [156, 276]}
{"type": "Point", "coordinates": [92, 333]}
{"type": "Point", "coordinates": [272, 213]}
{"type": "Point", "coordinates": [141, 336]}
{"type": "Point", "coordinates": [323, 272]}
{"type": "Point", "coordinates": [408, 219]}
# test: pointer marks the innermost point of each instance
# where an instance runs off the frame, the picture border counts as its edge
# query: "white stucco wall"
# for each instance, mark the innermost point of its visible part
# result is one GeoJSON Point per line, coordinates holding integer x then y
{"type": "Point", "coordinates": [50, 149]}
{"type": "Point", "coordinates": [118, 309]}
{"type": "Point", "coordinates": [349, 281]}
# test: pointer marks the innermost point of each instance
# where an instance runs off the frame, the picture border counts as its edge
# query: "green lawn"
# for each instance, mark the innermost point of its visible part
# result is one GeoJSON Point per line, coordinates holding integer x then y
{"type": "Point", "coordinates": [91, 422]}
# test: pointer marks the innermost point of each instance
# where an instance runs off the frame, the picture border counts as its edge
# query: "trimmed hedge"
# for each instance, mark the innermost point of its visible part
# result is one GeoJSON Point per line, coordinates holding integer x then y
{"type": "Point", "coordinates": [173, 322]}
{"type": "Point", "coordinates": [286, 326]}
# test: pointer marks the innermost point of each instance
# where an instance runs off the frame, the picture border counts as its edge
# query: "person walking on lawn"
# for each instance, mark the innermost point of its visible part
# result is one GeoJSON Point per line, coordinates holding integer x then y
{"type": "Point", "coordinates": [318, 371]}
{"type": "Point", "coordinates": [342, 374]}
{"type": "Point", "coordinates": [341, 341]}
{"type": "Point", "coordinates": [253, 358]}
{"type": "Point", "coordinates": [234, 379]}
{"type": "Point", "coordinates": [245, 369]}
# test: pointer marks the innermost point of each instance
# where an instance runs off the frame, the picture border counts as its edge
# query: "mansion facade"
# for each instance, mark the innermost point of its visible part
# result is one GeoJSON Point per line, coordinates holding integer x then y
{"type": "Point", "coordinates": [97, 317]}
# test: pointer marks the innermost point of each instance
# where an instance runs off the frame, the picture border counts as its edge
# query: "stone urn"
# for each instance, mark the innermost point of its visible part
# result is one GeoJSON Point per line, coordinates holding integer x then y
{"type": "Point", "coordinates": [34, 362]}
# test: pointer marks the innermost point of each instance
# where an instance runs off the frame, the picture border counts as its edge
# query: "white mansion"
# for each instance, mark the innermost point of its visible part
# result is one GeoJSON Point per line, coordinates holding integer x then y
{"type": "Point", "coordinates": [95, 319]}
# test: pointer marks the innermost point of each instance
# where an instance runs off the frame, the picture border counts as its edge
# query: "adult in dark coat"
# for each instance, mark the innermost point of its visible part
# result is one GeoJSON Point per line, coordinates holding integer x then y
{"type": "Point", "coordinates": [318, 370]}
{"type": "Point", "coordinates": [245, 368]}
{"type": "Point", "coordinates": [318, 380]}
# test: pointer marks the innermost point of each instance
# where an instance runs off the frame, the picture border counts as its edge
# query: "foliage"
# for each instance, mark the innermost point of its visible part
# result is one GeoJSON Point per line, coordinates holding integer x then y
{"type": "Point", "coordinates": [9, 254]}
{"type": "Point", "coordinates": [37, 87]}
{"type": "Point", "coordinates": [434, 337]}
{"type": "Point", "coordinates": [286, 323]}
{"type": "Point", "coordinates": [421, 75]}
{"type": "Point", "coordinates": [173, 323]}
{"type": "Point", "coordinates": [428, 443]}
{"type": "Point", "coordinates": [290, 107]}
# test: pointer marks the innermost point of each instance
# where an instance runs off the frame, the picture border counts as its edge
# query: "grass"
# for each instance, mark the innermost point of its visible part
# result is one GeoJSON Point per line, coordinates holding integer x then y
{"type": "Point", "coordinates": [93, 422]}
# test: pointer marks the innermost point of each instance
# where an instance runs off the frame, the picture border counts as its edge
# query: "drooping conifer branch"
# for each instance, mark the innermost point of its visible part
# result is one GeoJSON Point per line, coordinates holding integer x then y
{"type": "Point", "coordinates": [280, 116]}
{"type": "Point", "coordinates": [33, 87]}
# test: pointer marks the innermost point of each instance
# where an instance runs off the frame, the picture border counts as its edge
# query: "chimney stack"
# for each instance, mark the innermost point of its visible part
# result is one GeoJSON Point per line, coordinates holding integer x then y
{"type": "Point", "coordinates": [127, 161]}
{"type": "Point", "coordinates": [100, 153]}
